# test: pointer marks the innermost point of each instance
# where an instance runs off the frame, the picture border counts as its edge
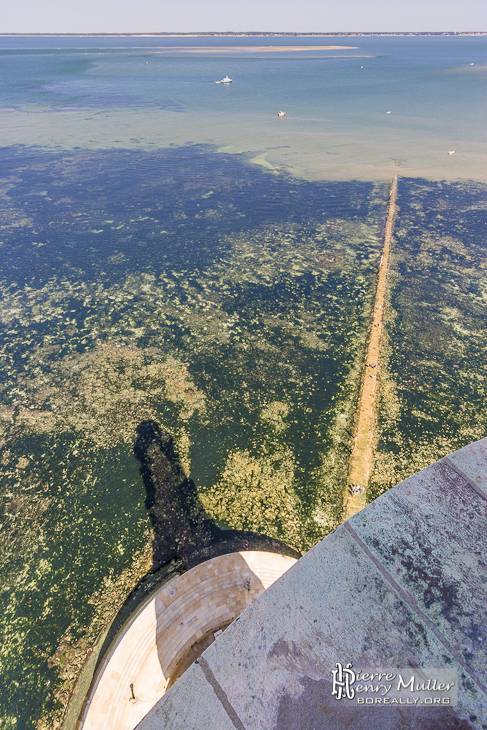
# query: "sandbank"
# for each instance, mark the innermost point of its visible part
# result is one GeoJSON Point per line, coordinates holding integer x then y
{"type": "Point", "coordinates": [260, 49]}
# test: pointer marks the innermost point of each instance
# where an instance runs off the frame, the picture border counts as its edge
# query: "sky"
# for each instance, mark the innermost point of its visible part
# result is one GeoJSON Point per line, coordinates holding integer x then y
{"type": "Point", "coordinates": [146, 16]}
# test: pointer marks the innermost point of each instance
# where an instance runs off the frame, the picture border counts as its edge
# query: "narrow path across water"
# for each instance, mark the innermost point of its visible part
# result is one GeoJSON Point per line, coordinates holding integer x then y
{"type": "Point", "coordinates": [360, 466]}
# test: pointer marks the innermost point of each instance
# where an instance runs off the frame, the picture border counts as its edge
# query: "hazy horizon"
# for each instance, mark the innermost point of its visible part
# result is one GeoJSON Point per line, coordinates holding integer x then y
{"type": "Point", "coordinates": [106, 16]}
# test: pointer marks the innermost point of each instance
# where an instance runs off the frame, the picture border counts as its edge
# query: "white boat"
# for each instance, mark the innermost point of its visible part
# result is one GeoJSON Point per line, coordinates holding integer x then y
{"type": "Point", "coordinates": [226, 80]}
{"type": "Point", "coordinates": [451, 152]}
{"type": "Point", "coordinates": [281, 114]}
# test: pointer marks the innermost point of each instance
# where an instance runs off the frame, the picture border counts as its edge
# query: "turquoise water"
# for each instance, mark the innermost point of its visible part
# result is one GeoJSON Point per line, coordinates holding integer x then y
{"type": "Point", "coordinates": [148, 92]}
{"type": "Point", "coordinates": [170, 249]}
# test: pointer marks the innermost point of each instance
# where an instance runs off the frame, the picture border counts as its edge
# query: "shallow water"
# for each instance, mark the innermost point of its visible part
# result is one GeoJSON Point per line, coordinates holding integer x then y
{"type": "Point", "coordinates": [149, 270]}
{"type": "Point", "coordinates": [147, 93]}
{"type": "Point", "coordinates": [228, 303]}
{"type": "Point", "coordinates": [434, 360]}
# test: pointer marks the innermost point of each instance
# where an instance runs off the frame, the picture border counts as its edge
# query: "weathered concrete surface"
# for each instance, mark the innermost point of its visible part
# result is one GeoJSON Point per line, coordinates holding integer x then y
{"type": "Point", "coordinates": [402, 583]}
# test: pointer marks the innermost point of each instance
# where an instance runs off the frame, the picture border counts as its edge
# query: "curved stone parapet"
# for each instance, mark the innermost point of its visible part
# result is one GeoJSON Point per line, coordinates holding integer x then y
{"type": "Point", "coordinates": [401, 584]}
{"type": "Point", "coordinates": [169, 632]}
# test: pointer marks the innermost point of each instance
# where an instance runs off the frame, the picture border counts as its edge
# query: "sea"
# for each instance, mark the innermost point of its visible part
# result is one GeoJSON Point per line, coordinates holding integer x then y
{"type": "Point", "coordinates": [172, 249]}
{"type": "Point", "coordinates": [150, 93]}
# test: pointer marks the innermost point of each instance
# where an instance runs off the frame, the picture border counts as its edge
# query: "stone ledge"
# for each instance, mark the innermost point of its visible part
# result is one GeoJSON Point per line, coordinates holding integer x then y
{"type": "Point", "coordinates": [180, 614]}
{"type": "Point", "coordinates": [401, 583]}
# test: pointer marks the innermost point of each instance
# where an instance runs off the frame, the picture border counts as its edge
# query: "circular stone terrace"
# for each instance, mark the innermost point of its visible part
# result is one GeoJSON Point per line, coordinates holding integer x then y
{"type": "Point", "coordinates": [401, 584]}
{"type": "Point", "coordinates": [171, 630]}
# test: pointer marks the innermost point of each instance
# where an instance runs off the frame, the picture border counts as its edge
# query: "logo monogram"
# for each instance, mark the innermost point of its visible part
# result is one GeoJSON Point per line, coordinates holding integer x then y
{"type": "Point", "coordinates": [343, 678]}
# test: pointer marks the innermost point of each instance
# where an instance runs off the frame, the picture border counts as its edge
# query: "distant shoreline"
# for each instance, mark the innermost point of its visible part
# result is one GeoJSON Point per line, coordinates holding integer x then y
{"type": "Point", "coordinates": [230, 34]}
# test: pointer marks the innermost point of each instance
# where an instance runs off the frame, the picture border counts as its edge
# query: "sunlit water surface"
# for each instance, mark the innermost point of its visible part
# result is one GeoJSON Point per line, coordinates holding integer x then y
{"type": "Point", "coordinates": [148, 270]}
{"type": "Point", "coordinates": [152, 92]}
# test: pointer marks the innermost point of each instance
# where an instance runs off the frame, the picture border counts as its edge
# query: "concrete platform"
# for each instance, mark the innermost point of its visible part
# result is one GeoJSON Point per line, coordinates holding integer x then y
{"type": "Point", "coordinates": [170, 630]}
{"type": "Point", "coordinates": [403, 583]}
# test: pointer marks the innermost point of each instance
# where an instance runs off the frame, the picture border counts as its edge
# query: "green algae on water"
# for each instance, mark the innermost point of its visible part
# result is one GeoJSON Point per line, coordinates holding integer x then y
{"type": "Point", "coordinates": [433, 374]}
{"type": "Point", "coordinates": [227, 303]}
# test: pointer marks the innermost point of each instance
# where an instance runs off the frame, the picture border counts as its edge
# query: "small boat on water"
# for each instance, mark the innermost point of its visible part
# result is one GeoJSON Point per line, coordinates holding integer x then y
{"type": "Point", "coordinates": [226, 80]}
{"type": "Point", "coordinates": [388, 112]}
{"type": "Point", "coordinates": [281, 114]}
{"type": "Point", "coordinates": [451, 152]}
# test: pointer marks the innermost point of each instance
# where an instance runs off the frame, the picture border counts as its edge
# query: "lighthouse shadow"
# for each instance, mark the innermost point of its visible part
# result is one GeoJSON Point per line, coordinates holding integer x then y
{"type": "Point", "coordinates": [181, 528]}
{"type": "Point", "coordinates": [220, 570]}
